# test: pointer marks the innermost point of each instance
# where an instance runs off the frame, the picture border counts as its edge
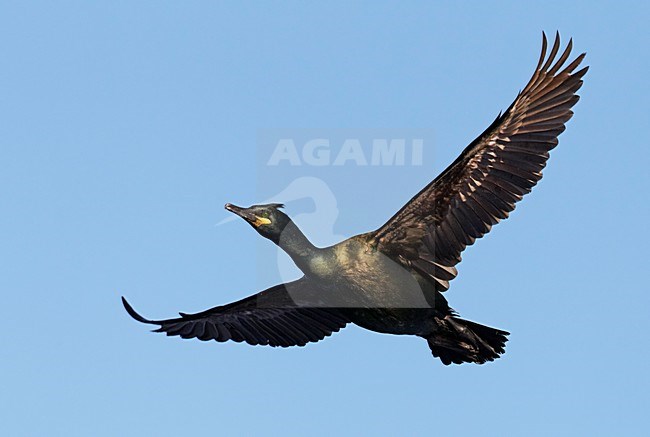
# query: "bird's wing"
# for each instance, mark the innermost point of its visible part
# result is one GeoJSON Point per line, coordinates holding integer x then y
{"type": "Point", "coordinates": [274, 317]}
{"type": "Point", "coordinates": [482, 185]}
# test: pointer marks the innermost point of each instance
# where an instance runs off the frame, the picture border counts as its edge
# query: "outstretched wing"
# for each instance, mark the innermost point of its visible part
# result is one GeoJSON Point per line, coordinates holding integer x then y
{"type": "Point", "coordinates": [496, 170]}
{"type": "Point", "coordinates": [273, 317]}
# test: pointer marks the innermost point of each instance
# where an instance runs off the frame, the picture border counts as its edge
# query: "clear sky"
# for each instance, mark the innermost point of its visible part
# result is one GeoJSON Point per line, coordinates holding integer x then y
{"type": "Point", "coordinates": [127, 125]}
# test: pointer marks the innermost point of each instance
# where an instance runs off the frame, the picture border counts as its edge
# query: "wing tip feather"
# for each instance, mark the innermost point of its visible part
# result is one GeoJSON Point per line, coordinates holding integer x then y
{"type": "Point", "coordinates": [134, 314]}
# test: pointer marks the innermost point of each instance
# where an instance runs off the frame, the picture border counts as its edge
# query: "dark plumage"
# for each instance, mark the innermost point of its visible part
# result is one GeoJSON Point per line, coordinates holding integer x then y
{"type": "Point", "coordinates": [391, 280]}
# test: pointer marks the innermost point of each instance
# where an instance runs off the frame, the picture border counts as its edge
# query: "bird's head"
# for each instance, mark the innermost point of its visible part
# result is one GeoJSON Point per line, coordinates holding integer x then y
{"type": "Point", "coordinates": [267, 219]}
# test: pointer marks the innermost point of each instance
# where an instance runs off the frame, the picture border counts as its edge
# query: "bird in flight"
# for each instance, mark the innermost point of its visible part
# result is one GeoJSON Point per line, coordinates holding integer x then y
{"type": "Point", "coordinates": [391, 280]}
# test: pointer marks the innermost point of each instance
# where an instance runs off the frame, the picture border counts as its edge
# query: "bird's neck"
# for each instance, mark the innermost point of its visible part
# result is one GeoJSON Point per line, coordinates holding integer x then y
{"type": "Point", "coordinates": [297, 246]}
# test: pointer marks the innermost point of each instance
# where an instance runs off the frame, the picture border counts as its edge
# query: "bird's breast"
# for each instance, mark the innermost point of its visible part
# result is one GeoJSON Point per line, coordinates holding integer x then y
{"type": "Point", "coordinates": [354, 276]}
{"type": "Point", "coordinates": [322, 266]}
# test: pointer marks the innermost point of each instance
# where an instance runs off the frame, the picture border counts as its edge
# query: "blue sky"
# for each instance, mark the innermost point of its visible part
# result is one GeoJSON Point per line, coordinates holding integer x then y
{"type": "Point", "coordinates": [126, 126]}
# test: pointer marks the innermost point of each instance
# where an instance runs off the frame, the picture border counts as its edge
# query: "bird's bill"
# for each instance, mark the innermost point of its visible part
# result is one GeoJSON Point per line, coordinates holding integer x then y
{"type": "Point", "coordinates": [247, 215]}
{"type": "Point", "coordinates": [241, 212]}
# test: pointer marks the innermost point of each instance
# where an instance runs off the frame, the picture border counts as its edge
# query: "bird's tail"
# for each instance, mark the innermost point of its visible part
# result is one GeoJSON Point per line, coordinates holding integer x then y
{"type": "Point", "coordinates": [461, 341]}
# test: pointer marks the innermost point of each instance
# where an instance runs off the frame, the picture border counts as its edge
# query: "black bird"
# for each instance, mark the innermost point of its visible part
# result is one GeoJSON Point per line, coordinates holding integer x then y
{"type": "Point", "coordinates": [391, 280]}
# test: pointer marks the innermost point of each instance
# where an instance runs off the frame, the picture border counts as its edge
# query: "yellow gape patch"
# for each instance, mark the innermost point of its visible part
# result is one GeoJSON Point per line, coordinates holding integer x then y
{"type": "Point", "coordinates": [261, 221]}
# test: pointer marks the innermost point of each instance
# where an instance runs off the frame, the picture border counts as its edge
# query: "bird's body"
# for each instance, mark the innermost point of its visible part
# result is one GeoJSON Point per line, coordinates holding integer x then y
{"type": "Point", "coordinates": [358, 275]}
{"type": "Point", "coordinates": [391, 280]}
{"type": "Point", "coordinates": [376, 292]}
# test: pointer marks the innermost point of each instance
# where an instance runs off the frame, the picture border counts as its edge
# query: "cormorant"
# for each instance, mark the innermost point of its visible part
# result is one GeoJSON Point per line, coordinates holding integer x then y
{"type": "Point", "coordinates": [391, 280]}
